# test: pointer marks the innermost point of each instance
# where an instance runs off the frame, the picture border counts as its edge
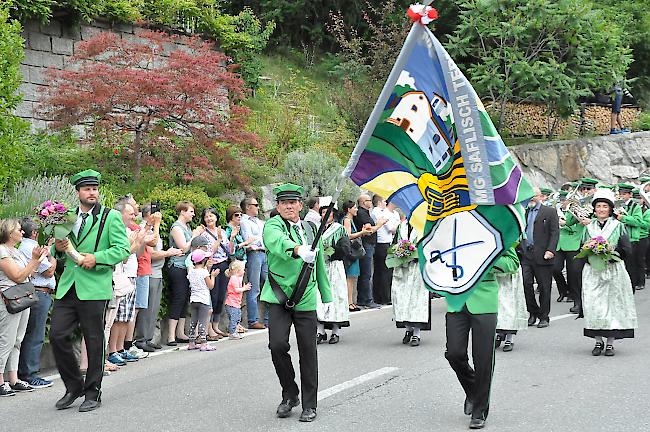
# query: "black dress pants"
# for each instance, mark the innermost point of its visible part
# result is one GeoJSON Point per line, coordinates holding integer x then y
{"type": "Point", "coordinates": [382, 276]}
{"type": "Point", "coordinates": [220, 290]}
{"type": "Point", "coordinates": [638, 255]}
{"type": "Point", "coordinates": [543, 274]}
{"type": "Point", "coordinates": [280, 321]}
{"type": "Point", "coordinates": [69, 313]}
{"type": "Point", "coordinates": [573, 274]}
{"type": "Point", "coordinates": [558, 266]}
{"type": "Point", "coordinates": [475, 381]}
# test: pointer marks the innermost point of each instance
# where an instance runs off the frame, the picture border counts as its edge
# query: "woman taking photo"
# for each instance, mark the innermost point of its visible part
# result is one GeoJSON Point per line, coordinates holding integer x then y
{"type": "Point", "coordinates": [14, 270]}
{"type": "Point", "coordinates": [607, 296]}
{"type": "Point", "coordinates": [218, 244]}
{"type": "Point", "coordinates": [180, 237]}
{"type": "Point", "coordinates": [352, 269]}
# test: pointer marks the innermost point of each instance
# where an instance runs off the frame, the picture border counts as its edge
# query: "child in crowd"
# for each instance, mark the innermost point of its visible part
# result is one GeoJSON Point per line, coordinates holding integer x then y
{"type": "Point", "coordinates": [236, 287]}
{"type": "Point", "coordinates": [201, 282]}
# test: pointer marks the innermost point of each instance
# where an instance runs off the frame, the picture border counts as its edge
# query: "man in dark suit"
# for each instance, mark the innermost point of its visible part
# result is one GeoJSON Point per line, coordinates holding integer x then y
{"type": "Point", "coordinates": [537, 251]}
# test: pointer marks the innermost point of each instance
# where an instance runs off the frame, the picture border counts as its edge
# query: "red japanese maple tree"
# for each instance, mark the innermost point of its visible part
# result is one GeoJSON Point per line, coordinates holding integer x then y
{"type": "Point", "coordinates": [155, 91]}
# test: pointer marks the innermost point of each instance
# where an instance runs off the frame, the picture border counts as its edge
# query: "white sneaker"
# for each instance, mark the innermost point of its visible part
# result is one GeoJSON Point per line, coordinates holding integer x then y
{"type": "Point", "coordinates": [137, 352]}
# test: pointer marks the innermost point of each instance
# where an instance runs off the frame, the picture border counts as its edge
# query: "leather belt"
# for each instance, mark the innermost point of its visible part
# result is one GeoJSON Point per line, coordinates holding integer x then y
{"type": "Point", "coordinates": [253, 251]}
{"type": "Point", "coordinates": [46, 290]}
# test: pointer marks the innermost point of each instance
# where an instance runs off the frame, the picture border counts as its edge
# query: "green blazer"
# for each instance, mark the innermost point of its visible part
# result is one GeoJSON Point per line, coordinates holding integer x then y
{"type": "Point", "coordinates": [485, 298]}
{"type": "Point", "coordinates": [645, 227]}
{"type": "Point", "coordinates": [570, 234]}
{"type": "Point", "coordinates": [285, 267]}
{"type": "Point", "coordinates": [633, 220]}
{"type": "Point", "coordinates": [113, 247]}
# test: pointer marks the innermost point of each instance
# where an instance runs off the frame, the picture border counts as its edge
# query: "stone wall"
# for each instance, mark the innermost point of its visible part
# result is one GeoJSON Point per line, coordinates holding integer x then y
{"type": "Point", "coordinates": [609, 158]}
{"type": "Point", "coordinates": [51, 46]}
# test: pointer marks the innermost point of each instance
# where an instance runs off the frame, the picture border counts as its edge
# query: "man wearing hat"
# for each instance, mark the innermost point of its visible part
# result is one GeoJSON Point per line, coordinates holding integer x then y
{"type": "Point", "coordinates": [568, 246]}
{"type": "Point", "coordinates": [587, 186]}
{"type": "Point", "coordinates": [632, 217]}
{"type": "Point", "coordinates": [644, 189]}
{"type": "Point", "coordinates": [644, 233]}
{"type": "Point", "coordinates": [537, 253]}
{"type": "Point", "coordinates": [287, 241]}
{"type": "Point", "coordinates": [84, 289]}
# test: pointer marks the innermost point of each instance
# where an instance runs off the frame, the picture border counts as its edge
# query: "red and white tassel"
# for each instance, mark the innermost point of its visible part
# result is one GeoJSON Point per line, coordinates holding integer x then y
{"type": "Point", "coordinates": [422, 14]}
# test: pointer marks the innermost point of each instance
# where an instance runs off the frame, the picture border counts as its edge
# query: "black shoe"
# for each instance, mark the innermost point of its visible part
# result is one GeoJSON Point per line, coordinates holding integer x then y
{"type": "Point", "coordinates": [507, 347]}
{"type": "Point", "coordinates": [543, 323]}
{"type": "Point", "coordinates": [320, 338]}
{"type": "Point", "coordinates": [172, 343]}
{"type": "Point", "coordinates": [468, 407]}
{"type": "Point", "coordinates": [598, 349]}
{"type": "Point", "coordinates": [574, 309]}
{"type": "Point", "coordinates": [415, 341]}
{"type": "Point", "coordinates": [532, 320]}
{"type": "Point", "coordinates": [476, 423]}
{"type": "Point", "coordinates": [67, 400]}
{"type": "Point", "coordinates": [407, 337]}
{"type": "Point", "coordinates": [640, 287]}
{"type": "Point", "coordinates": [145, 347]}
{"type": "Point", "coordinates": [497, 341]}
{"type": "Point", "coordinates": [90, 405]}
{"type": "Point", "coordinates": [609, 350]}
{"type": "Point", "coordinates": [154, 345]}
{"type": "Point", "coordinates": [285, 407]}
{"type": "Point", "coordinates": [333, 339]}
{"type": "Point", "coordinates": [308, 415]}
{"type": "Point", "coordinates": [561, 298]}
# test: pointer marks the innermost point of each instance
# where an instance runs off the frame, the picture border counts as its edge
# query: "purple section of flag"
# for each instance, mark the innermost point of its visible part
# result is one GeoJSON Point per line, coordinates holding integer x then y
{"type": "Point", "coordinates": [507, 194]}
{"type": "Point", "coordinates": [372, 164]}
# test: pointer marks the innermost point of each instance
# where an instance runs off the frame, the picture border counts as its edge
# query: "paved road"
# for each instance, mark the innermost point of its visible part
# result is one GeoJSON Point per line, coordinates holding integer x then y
{"type": "Point", "coordinates": [550, 382]}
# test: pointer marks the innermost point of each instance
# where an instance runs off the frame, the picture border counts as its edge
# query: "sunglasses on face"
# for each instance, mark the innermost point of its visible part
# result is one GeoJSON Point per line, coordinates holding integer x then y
{"type": "Point", "coordinates": [255, 204]}
{"type": "Point", "coordinates": [237, 215]}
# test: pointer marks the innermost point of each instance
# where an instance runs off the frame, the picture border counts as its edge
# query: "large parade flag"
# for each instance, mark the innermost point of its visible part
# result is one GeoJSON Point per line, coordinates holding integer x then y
{"type": "Point", "coordinates": [430, 148]}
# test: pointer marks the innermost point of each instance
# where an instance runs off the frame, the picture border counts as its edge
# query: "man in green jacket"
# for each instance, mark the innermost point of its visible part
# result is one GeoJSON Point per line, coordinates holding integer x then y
{"type": "Point", "coordinates": [287, 242]}
{"type": "Point", "coordinates": [571, 236]}
{"type": "Point", "coordinates": [644, 232]}
{"type": "Point", "coordinates": [478, 314]}
{"type": "Point", "coordinates": [84, 289]}
{"type": "Point", "coordinates": [632, 217]}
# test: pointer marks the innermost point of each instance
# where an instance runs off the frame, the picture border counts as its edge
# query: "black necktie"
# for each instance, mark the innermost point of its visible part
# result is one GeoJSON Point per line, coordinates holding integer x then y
{"type": "Point", "coordinates": [84, 216]}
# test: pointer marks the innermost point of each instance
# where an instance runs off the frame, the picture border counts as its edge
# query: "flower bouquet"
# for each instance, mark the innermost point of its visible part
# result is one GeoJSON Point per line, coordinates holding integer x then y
{"type": "Point", "coordinates": [598, 252]}
{"type": "Point", "coordinates": [401, 253]}
{"type": "Point", "coordinates": [56, 221]}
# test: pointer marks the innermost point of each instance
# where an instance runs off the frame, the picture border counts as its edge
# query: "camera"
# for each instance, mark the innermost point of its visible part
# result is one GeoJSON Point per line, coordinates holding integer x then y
{"type": "Point", "coordinates": [155, 207]}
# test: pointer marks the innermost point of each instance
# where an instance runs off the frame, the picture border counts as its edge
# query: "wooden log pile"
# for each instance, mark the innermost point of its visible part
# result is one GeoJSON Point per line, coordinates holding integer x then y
{"type": "Point", "coordinates": [529, 119]}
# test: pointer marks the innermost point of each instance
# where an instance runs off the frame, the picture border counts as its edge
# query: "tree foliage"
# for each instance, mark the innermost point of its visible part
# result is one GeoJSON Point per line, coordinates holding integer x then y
{"type": "Point", "coordinates": [12, 128]}
{"type": "Point", "coordinates": [155, 97]}
{"type": "Point", "coordinates": [552, 52]}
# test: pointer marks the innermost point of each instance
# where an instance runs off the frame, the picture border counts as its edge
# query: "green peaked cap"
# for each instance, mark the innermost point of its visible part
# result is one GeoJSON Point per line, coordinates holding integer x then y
{"type": "Point", "coordinates": [625, 187]}
{"type": "Point", "coordinates": [288, 191]}
{"type": "Point", "coordinates": [86, 178]}
{"type": "Point", "coordinates": [586, 181]}
{"type": "Point", "coordinates": [546, 191]}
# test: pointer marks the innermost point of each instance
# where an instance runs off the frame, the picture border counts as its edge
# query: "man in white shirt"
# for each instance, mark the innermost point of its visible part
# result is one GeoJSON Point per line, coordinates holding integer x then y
{"type": "Point", "coordinates": [382, 275]}
{"type": "Point", "coordinates": [313, 215]}
{"type": "Point", "coordinates": [256, 264]}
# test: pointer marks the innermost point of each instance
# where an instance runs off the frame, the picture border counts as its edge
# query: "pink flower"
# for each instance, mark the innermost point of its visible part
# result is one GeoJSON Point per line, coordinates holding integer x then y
{"type": "Point", "coordinates": [46, 203]}
{"type": "Point", "coordinates": [59, 207]}
{"type": "Point", "coordinates": [45, 213]}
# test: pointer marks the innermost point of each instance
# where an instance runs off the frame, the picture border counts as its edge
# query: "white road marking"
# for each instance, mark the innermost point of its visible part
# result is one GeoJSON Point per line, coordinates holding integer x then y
{"type": "Point", "coordinates": [354, 382]}
{"type": "Point", "coordinates": [559, 317]}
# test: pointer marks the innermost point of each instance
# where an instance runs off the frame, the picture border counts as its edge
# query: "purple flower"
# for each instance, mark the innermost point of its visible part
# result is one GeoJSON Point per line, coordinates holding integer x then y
{"type": "Point", "coordinates": [45, 213]}
{"type": "Point", "coordinates": [59, 207]}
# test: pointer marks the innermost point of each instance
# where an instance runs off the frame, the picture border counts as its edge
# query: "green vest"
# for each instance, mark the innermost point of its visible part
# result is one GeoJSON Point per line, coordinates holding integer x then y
{"type": "Point", "coordinates": [570, 234]}
{"type": "Point", "coordinates": [485, 297]}
{"type": "Point", "coordinates": [279, 241]}
{"type": "Point", "coordinates": [112, 248]}
{"type": "Point", "coordinates": [633, 220]}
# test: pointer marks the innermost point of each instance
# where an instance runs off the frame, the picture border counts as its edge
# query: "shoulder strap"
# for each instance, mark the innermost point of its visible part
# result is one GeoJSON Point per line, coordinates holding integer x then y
{"type": "Point", "coordinates": [310, 230]}
{"type": "Point", "coordinates": [100, 229]}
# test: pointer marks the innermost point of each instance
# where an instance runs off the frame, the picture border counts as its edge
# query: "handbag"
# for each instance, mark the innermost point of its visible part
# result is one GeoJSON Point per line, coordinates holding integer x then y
{"type": "Point", "coordinates": [122, 284]}
{"type": "Point", "coordinates": [356, 250]}
{"type": "Point", "coordinates": [19, 297]}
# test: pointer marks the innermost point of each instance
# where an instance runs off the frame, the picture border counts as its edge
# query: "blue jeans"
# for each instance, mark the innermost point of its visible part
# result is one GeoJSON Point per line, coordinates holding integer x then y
{"type": "Point", "coordinates": [256, 273]}
{"type": "Point", "coordinates": [234, 317]}
{"type": "Point", "coordinates": [29, 362]}
{"type": "Point", "coordinates": [364, 290]}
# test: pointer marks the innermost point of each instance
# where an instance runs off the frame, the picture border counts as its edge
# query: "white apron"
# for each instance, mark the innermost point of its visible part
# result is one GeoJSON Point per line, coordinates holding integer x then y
{"type": "Point", "coordinates": [512, 313]}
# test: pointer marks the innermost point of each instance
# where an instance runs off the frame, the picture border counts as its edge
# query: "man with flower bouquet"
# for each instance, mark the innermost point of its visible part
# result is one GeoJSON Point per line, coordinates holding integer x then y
{"type": "Point", "coordinates": [411, 300]}
{"type": "Point", "coordinates": [607, 298]}
{"type": "Point", "coordinates": [96, 241]}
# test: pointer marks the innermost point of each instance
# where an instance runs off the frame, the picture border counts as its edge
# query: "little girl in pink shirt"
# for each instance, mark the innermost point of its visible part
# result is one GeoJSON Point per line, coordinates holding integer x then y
{"type": "Point", "coordinates": [236, 288]}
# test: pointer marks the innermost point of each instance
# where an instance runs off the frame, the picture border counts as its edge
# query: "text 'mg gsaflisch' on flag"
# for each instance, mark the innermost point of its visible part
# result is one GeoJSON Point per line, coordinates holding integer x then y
{"type": "Point", "coordinates": [430, 148]}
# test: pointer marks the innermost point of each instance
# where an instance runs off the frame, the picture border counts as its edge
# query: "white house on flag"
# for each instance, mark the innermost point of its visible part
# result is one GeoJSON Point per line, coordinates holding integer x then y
{"type": "Point", "coordinates": [414, 115]}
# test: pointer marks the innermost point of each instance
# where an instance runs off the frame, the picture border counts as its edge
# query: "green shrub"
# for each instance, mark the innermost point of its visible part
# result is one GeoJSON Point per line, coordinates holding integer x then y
{"type": "Point", "coordinates": [643, 123]}
{"type": "Point", "coordinates": [28, 194]}
{"type": "Point", "coordinates": [319, 173]}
